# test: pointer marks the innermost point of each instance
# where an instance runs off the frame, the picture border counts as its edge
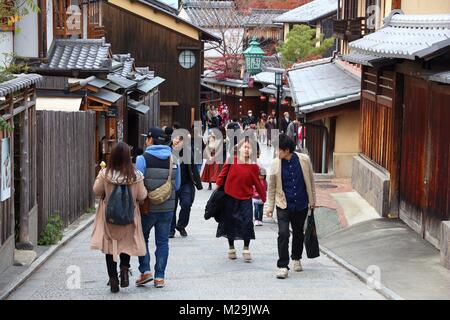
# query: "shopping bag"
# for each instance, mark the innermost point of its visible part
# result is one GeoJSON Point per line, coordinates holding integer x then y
{"type": "Point", "coordinates": [311, 241]}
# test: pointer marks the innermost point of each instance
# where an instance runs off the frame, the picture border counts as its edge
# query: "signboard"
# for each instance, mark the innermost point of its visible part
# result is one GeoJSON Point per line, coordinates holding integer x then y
{"type": "Point", "coordinates": [111, 113]}
{"type": "Point", "coordinates": [6, 173]}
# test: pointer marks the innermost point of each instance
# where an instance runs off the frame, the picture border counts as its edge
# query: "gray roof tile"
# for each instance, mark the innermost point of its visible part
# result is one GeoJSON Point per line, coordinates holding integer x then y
{"type": "Point", "coordinates": [147, 85]}
{"type": "Point", "coordinates": [366, 60]}
{"type": "Point", "coordinates": [18, 83]}
{"type": "Point", "coordinates": [309, 12]}
{"type": "Point", "coordinates": [322, 85]}
{"type": "Point", "coordinates": [106, 95]}
{"type": "Point", "coordinates": [407, 36]}
{"type": "Point", "coordinates": [442, 77]}
{"type": "Point", "coordinates": [137, 106]}
{"type": "Point", "coordinates": [70, 54]}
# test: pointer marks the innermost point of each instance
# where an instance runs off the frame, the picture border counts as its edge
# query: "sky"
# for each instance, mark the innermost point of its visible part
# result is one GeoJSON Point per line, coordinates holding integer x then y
{"type": "Point", "coordinates": [173, 3]}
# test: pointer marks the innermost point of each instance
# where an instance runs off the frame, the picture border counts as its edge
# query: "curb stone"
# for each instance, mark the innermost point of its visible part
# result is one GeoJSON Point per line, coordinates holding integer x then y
{"type": "Point", "coordinates": [20, 279]}
{"type": "Point", "coordinates": [363, 276]}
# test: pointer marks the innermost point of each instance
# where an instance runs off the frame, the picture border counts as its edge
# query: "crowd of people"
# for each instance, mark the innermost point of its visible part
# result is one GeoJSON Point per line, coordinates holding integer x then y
{"type": "Point", "coordinates": [161, 180]}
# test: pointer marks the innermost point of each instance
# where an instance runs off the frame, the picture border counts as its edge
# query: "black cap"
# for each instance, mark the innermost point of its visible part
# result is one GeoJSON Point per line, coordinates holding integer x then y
{"type": "Point", "coordinates": [157, 134]}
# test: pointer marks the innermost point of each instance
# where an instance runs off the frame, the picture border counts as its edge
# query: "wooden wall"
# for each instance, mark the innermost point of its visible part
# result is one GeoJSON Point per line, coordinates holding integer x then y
{"type": "Point", "coordinates": [158, 47]}
{"type": "Point", "coordinates": [66, 164]}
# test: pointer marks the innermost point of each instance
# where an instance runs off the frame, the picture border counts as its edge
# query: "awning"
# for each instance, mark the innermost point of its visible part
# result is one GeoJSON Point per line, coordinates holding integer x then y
{"type": "Point", "coordinates": [137, 106]}
{"type": "Point", "coordinates": [106, 95]}
{"type": "Point", "coordinates": [442, 77]}
{"type": "Point", "coordinates": [58, 104]}
{"type": "Point", "coordinates": [148, 85]}
{"type": "Point", "coordinates": [99, 83]}
{"type": "Point", "coordinates": [271, 89]}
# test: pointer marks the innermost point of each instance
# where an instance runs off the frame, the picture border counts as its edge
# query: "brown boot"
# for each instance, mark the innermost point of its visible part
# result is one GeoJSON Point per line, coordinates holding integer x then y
{"type": "Point", "coordinates": [124, 277]}
{"type": "Point", "coordinates": [114, 284]}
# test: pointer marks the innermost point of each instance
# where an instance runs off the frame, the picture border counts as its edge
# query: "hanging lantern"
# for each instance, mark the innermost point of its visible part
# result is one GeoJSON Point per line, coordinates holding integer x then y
{"type": "Point", "coordinates": [263, 98]}
{"type": "Point", "coordinates": [253, 57]}
{"type": "Point", "coordinates": [273, 100]}
{"type": "Point", "coordinates": [285, 102]}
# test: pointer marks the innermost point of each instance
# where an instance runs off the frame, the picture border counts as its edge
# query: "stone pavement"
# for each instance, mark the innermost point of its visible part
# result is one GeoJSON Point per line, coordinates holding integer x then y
{"type": "Point", "coordinates": [198, 268]}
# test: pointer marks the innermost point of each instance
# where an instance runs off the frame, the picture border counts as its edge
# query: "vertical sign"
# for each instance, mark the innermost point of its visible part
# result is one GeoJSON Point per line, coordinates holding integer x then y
{"type": "Point", "coordinates": [5, 182]}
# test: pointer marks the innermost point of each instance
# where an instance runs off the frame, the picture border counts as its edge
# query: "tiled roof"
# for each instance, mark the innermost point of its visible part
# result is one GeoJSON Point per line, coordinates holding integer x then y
{"type": "Point", "coordinates": [148, 85]}
{"type": "Point", "coordinates": [18, 83]}
{"type": "Point", "coordinates": [106, 95]}
{"type": "Point", "coordinates": [322, 86]}
{"type": "Point", "coordinates": [366, 60]}
{"type": "Point", "coordinates": [262, 17]}
{"type": "Point", "coordinates": [78, 54]}
{"type": "Point", "coordinates": [407, 36]}
{"type": "Point", "coordinates": [309, 12]}
{"type": "Point", "coordinates": [265, 77]}
{"type": "Point", "coordinates": [271, 89]}
{"type": "Point", "coordinates": [211, 13]}
{"type": "Point", "coordinates": [443, 77]}
{"type": "Point", "coordinates": [137, 106]}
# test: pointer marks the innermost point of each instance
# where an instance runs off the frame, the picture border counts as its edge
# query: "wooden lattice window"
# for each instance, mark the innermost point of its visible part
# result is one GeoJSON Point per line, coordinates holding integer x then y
{"type": "Point", "coordinates": [67, 18]}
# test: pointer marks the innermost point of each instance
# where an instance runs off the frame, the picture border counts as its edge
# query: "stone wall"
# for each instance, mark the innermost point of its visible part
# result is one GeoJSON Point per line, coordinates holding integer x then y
{"type": "Point", "coordinates": [445, 244]}
{"type": "Point", "coordinates": [372, 183]}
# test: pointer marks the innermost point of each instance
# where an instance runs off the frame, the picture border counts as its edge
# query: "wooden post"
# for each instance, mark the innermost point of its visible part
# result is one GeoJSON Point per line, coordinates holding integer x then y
{"type": "Point", "coordinates": [24, 238]}
{"type": "Point", "coordinates": [396, 4]}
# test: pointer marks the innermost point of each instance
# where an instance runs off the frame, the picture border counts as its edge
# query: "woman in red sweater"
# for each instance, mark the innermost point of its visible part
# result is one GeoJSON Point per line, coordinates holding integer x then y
{"type": "Point", "coordinates": [239, 179]}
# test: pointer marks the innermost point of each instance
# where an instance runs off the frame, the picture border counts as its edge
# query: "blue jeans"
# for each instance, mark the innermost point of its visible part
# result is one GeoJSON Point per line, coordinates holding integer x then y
{"type": "Point", "coordinates": [259, 210]}
{"type": "Point", "coordinates": [185, 196]}
{"type": "Point", "coordinates": [161, 222]}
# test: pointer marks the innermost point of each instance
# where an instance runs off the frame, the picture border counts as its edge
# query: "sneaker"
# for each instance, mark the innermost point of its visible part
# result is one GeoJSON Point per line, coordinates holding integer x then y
{"type": "Point", "coordinates": [247, 256]}
{"type": "Point", "coordinates": [297, 266]}
{"type": "Point", "coordinates": [159, 283]}
{"type": "Point", "coordinates": [256, 223]}
{"type": "Point", "coordinates": [260, 223]}
{"type": "Point", "coordinates": [282, 273]}
{"type": "Point", "coordinates": [144, 278]}
{"type": "Point", "coordinates": [182, 232]}
{"type": "Point", "coordinates": [232, 254]}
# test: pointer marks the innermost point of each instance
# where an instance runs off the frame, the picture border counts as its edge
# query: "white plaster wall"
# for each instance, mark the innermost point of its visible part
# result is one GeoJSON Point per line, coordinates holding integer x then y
{"type": "Point", "coordinates": [26, 42]}
{"type": "Point", "coordinates": [6, 45]}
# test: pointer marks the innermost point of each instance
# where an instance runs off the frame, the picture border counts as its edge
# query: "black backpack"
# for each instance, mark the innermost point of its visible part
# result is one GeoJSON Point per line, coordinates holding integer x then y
{"type": "Point", "coordinates": [120, 207]}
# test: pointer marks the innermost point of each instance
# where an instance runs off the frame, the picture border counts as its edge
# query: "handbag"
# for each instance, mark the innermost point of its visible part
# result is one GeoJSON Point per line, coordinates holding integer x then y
{"type": "Point", "coordinates": [311, 241]}
{"type": "Point", "coordinates": [215, 204]}
{"type": "Point", "coordinates": [162, 193]}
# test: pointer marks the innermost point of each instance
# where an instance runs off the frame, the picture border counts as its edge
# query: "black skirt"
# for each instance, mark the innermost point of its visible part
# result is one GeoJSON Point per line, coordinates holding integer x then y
{"type": "Point", "coordinates": [237, 220]}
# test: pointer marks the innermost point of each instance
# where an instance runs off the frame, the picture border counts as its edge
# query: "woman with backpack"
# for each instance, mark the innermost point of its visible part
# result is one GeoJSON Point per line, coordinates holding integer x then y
{"type": "Point", "coordinates": [117, 227]}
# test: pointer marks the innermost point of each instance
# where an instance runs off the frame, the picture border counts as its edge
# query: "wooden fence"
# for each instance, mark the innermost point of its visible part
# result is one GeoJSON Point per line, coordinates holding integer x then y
{"type": "Point", "coordinates": [65, 164]}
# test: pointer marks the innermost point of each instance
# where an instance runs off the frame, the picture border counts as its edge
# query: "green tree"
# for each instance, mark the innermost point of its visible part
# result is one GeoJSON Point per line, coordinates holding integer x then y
{"type": "Point", "coordinates": [301, 45]}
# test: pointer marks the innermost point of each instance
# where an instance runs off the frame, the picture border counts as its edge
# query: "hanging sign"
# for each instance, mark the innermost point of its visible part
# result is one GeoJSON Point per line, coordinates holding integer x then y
{"type": "Point", "coordinates": [5, 178]}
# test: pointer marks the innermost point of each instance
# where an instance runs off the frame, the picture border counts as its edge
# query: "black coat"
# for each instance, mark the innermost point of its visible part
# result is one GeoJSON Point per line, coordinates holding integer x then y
{"type": "Point", "coordinates": [215, 205]}
{"type": "Point", "coordinates": [193, 172]}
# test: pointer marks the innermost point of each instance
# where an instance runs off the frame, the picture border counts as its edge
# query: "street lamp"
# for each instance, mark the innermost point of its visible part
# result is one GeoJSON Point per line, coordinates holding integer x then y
{"type": "Point", "coordinates": [279, 85]}
{"type": "Point", "coordinates": [253, 57]}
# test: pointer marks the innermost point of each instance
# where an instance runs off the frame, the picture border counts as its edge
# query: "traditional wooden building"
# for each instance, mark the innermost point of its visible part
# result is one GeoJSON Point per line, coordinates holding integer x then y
{"type": "Point", "coordinates": [318, 14]}
{"type": "Point", "coordinates": [124, 97]}
{"type": "Point", "coordinates": [326, 93]}
{"type": "Point", "coordinates": [156, 37]}
{"type": "Point", "coordinates": [405, 150]}
{"type": "Point", "coordinates": [18, 201]}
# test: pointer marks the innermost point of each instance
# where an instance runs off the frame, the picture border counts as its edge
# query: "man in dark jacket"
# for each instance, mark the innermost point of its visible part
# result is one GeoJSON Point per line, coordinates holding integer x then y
{"type": "Point", "coordinates": [155, 166]}
{"type": "Point", "coordinates": [190, 180]}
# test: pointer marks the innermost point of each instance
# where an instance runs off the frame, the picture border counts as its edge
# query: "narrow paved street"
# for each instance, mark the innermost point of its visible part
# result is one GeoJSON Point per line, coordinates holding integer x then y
{"type": "Point", "coordinates": [198, 268]}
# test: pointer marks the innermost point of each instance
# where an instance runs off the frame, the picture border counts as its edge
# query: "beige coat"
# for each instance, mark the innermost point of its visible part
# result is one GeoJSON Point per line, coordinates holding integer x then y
{"type": "Point", "coordinates": [114, 239]}
{"type": "Point", "coordinates": [276, 195]}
